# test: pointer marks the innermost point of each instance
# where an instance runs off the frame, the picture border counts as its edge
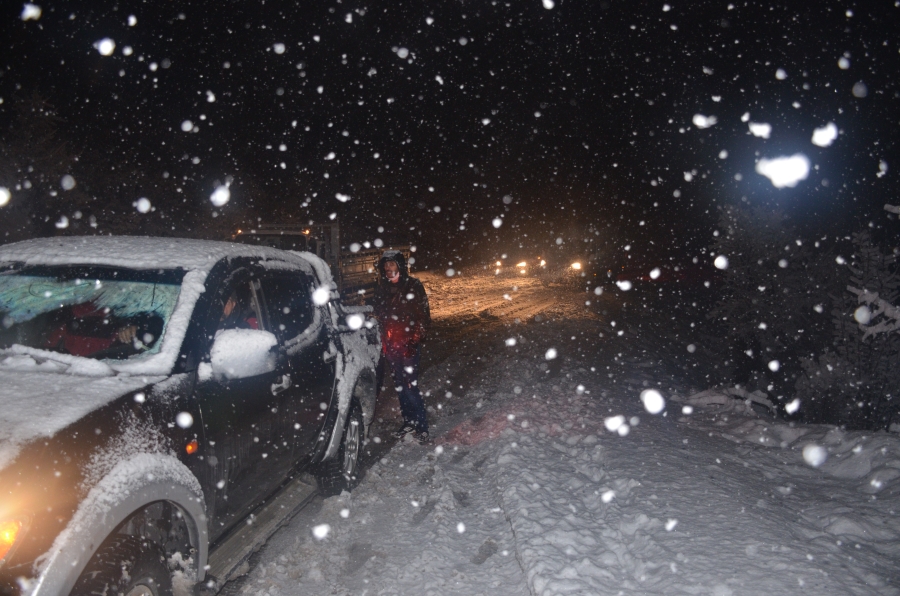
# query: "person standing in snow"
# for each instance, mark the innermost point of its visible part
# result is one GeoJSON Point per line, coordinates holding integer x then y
{"type": "Point", "coordinates": [401, 306]}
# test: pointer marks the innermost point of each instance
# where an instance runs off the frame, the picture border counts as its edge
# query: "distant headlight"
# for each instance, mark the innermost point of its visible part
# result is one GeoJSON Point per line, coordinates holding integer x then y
{"type": "Point", "coordinates": [576, 266]}
{"type": "Point", "coordinates": [499, 263]}
{"type": "Point", "coordinates": [522, 265]}
{"type": "Point", "coordinates": [10, 531]}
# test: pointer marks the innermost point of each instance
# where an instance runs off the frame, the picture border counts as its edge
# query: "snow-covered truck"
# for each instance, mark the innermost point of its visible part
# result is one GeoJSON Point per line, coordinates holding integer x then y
{"type": "Point", "coordinates": [354, 271]}
{"type": "Point", "coordinates": [164, 404]}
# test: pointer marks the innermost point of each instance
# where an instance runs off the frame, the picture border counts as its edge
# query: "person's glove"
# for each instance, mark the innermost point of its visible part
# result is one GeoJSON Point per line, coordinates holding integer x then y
{"type": "Point", "coordinates": [126, 334]}
{"type": "Point", "coordinates": [418, 335]}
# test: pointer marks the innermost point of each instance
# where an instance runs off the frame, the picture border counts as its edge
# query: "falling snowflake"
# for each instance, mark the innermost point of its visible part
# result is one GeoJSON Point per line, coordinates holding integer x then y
{"type": "Point", "coordinates": [701, 121]}
{"type": "Point", "coordinates": [30, 12]}
{"type": "Point", "coordinates": [321, 296]}
{"type": "Point", "coordinates": [321, 531]}
{"type": "Point", "coordinates": [653, 401]}
{"type": "Point", "coordinates": [814, 455]}
{"type": "Point", "coordinates": [823, 137]}
{"type": "Point", "coordinates": [105, 46]}
{"type": "Point", "coordinates": [220, 196]}
{"type": "Point", "coordinates": [784, 172]}
{"type": "Point", "coordinates": [760, 129]}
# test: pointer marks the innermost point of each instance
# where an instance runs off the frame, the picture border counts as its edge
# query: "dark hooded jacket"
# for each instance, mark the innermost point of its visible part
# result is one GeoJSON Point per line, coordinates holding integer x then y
{"type": "Point", "coordinates": [402, 307]}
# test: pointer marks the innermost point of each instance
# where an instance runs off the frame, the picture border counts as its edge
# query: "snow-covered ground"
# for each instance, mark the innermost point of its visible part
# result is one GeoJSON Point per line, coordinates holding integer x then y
{"type": "Point", "coordinates": [528, 491]}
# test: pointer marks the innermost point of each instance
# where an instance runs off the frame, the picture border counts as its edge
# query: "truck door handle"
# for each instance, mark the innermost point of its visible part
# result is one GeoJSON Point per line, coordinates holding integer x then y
{"type": "Point", "coordinates": [279, 387]}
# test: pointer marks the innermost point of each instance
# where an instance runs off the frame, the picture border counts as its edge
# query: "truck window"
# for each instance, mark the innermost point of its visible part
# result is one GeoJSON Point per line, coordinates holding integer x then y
{"type": "Point", "coordinates": [290, 303]}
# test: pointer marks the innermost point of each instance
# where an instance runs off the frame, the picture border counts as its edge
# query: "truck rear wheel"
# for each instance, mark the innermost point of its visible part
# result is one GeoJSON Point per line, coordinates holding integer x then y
{"type": "Point", "coordinates": [342, 472]}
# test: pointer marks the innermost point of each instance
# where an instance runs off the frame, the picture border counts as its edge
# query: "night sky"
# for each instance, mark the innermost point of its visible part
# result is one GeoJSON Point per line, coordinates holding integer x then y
{"type": "Point", "coordinates": [436, 118]}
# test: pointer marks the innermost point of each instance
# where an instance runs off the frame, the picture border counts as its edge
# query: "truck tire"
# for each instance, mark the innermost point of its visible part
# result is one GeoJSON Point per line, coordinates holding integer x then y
{"type": "Point", "coordinates": [126, 566]}
{"type": "Point", "coordinates": [342, 472]}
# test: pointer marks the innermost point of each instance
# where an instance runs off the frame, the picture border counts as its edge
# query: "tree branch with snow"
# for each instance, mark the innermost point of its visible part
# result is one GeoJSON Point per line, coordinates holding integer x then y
{"type": "Point", "coordinates": [878, 306]}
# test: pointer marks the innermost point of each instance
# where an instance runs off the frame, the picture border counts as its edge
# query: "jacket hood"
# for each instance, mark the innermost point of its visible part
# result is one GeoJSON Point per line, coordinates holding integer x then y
{"type": "Point", "coordinates": [397, 257]}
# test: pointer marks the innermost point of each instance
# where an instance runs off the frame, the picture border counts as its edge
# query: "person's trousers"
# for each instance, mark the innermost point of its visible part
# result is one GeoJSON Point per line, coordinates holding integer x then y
{"type": "Point", "coordinates": [405, 372]}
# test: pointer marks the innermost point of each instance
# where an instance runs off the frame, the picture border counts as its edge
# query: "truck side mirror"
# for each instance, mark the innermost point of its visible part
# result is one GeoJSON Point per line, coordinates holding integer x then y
{"type": "Point", "coordinates": [242, 353]}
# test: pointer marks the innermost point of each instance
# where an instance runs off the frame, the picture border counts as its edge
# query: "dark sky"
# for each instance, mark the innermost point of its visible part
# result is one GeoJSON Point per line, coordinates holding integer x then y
{"type": "Point", "coordinates": [581, 114]}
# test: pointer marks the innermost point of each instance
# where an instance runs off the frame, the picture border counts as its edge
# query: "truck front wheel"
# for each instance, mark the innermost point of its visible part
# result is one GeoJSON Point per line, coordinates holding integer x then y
{"type": "Point", "coordinates": [126, 566]}
{"type": "Point", "coordinates": [342, 472]}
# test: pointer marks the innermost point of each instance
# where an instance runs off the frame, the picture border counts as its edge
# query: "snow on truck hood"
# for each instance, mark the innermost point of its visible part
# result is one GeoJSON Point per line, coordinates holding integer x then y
{"type": "Point", "coordinates": [37, 405]}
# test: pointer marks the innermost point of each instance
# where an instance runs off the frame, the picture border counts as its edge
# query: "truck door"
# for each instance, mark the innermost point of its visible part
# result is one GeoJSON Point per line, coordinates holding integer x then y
{"type": "Point", "coordinates": [303, 335]}
{"type": "Point", "coordinates": [248, 451]}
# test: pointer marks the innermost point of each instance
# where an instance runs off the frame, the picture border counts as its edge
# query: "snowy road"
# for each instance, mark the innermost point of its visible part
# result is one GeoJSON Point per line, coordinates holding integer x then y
{"type": "Point", "coordinates": [528, 491]}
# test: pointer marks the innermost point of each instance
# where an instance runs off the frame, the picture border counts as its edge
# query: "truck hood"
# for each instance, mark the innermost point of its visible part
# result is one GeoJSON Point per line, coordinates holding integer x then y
{"type": "Point", "coordinates": [36, 404]}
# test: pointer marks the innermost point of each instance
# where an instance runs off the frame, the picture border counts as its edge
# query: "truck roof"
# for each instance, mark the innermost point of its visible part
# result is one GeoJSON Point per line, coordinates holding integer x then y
{"type": "Point", "coordinates": [143, 252]}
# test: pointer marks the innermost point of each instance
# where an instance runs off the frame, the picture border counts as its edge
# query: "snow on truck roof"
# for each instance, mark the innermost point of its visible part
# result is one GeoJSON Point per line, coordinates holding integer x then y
{"type": "Point", "coordinates": [197, 257]}
{"type": "Point", "coordinates": [143, 252]}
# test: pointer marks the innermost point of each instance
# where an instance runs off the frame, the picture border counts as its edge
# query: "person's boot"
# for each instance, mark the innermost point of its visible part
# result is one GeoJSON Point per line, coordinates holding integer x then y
{"type": "Point", "coordinates": [404, 430]}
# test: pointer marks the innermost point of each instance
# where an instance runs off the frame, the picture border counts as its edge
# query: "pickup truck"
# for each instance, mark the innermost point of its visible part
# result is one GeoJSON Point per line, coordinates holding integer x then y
{"type": "Point", "coordinates": [164, 404]}
{"type": "Point", "coordinates": [354, 271]}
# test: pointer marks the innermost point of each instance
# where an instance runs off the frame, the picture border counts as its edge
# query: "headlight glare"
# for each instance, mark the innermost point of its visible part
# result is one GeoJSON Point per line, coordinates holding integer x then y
{"type": "Point", "coordinates": [10, 529]}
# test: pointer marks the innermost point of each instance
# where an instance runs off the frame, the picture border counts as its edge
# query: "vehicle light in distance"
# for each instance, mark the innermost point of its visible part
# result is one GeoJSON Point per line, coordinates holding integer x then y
{"type": "Point", "coordinates": [576, 266]}
{"type": "Point", "coordinates": [9, 531]}
{"type": "Point", "coordinates": [499, 263]}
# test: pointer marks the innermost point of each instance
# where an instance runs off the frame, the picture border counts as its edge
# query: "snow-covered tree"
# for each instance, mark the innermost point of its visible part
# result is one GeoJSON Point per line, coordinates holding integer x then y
{"type": "Point", "coordinates": [857, 380]}
{"type": "Point", "coordinates": [773, 288]}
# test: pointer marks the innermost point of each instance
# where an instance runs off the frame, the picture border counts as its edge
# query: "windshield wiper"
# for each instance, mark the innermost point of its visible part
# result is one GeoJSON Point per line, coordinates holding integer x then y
{"type": "Point", "coordinates": [77, 364]}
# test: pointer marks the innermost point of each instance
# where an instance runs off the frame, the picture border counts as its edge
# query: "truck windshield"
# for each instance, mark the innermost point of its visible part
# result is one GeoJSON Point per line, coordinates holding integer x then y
{"type": "Point", "coordinates": [100, 313]}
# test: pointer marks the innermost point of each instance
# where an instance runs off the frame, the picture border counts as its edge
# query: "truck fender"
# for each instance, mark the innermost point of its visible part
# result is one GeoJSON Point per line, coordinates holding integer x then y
{"type": "Point", "coordinates": [131, 485]}
{"type": "Point", "coordinates": [362, 389]}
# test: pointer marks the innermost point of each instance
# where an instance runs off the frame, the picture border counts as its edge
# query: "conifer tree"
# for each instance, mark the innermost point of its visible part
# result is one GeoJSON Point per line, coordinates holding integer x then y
{"type": "Point", "coordinates": [856, 381]}
{"type": "Point", "coordinates": [767, 310]}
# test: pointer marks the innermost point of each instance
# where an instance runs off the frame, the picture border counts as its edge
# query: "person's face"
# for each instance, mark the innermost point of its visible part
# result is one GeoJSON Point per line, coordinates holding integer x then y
{"type": "Point", "coordinates": [392, 271]}
{"type": "Point", "coordinates": [229, 307]}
